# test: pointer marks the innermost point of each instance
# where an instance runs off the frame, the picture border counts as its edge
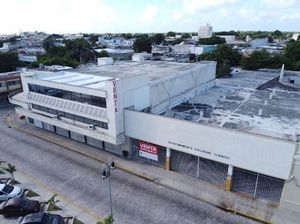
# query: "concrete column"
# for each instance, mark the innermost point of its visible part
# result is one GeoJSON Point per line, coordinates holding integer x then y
{"type": "Point", "coordinates": [229, 178]}
{"type": "Point", "coordinates": [168, 159]}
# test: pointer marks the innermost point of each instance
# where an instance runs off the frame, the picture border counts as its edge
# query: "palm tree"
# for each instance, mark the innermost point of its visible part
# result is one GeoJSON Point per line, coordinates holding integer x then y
{"type": "Point", "coordinates": [52, 203]}
{"type": "Point", "coordinates": [10, 169]}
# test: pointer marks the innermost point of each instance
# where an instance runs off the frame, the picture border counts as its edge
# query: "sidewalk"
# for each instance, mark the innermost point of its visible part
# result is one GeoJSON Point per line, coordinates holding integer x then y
{"type": "Point", "coordinates": [217, 196]}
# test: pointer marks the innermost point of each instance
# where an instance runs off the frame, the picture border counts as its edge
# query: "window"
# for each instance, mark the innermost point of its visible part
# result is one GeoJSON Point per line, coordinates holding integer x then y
{"type": "Point", "coordinates": [7, 189]}
{"type": "Point", "coordinates": [68, 95]}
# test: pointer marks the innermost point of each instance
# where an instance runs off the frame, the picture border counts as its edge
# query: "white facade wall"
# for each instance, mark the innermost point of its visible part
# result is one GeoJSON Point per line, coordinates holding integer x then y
{"type": "Point", "coordinates": [205, 31]}
{"type": "Point", "coordinates": [256, 153]}
{"type": "Point", "coordinates": [228, 38]}
{"type": "Point", "coordinates": [170, 91]}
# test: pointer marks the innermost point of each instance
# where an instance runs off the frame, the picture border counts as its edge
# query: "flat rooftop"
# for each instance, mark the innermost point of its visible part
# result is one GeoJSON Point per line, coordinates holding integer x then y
{"type": "Point", "coordinates": [128, 69]}
{"type": "Point", "coordinates": [93, 76]}
{"type": "Point", "coordinates": [72, 78]}
{"type": "Point", "coordinates": [240, 103]}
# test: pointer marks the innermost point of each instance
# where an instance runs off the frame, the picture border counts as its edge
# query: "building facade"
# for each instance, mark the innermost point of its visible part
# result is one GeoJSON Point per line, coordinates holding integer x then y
{"type": "Point", "coordinates": [228, 132]}
{"type": "Point", "coordinates": [205, 31]}
{"type": "Point", "coordinates": [9, 82]}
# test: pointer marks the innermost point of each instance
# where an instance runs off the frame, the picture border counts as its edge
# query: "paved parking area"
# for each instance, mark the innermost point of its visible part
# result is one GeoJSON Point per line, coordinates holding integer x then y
{"type": "Point", "coordinates": [76, 179]}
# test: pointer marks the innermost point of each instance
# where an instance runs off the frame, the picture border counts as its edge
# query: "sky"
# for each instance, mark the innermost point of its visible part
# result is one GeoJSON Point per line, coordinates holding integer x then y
{"type": "Point", "coordinates": [147, 16]}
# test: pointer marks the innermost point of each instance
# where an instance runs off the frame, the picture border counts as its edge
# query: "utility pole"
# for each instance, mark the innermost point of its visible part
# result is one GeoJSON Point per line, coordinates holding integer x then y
{"type": "Point", "coordinates": [106, 175]}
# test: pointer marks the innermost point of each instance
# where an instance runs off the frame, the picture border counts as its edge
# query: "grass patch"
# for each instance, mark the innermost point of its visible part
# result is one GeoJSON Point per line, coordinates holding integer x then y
{"type": "Point", "coordinates": [77, 221]}
{"type": "Point", "coordinates": [31, 194]}
{"type": "Point", "coordinates": [52, 207]}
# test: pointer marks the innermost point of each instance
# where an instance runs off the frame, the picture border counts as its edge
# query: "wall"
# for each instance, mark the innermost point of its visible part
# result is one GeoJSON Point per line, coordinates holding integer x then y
{"type": "Point", "coordinates": [291, 193]}
{"type": "Point", "coordinates": [257, 153]}
{"type": "Point", "coordinates": [180, 86]}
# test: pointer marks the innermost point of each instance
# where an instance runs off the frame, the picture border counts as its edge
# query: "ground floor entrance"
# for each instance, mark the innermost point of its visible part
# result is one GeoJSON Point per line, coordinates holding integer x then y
{"type": "Point", "coordinates": [242, 181]}
{"type": "Point", "coordinates": [67, 133]}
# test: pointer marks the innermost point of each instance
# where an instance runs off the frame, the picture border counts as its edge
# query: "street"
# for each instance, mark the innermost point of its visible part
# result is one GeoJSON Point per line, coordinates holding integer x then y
{"type": "Point", "coordinates": [78, 178]}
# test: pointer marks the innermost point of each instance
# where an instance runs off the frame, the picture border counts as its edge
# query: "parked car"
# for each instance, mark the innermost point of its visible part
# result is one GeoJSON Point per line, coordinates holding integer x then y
{"type": "Point", "coordinates": [9, 191]}
{"type": "Point", "coordinates": [19, 207]}
{"type": "Point", "coordinates": [42, 218]}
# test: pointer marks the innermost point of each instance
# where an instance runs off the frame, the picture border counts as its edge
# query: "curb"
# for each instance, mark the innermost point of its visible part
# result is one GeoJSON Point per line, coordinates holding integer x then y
{"type": "Point", "coordinates": [79, 152]}
{"type": "Point", "coordinates": [143, 176]}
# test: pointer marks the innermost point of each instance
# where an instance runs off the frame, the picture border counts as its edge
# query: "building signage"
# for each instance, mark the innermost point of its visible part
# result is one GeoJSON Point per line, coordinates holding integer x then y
{"type": "Point", "coordinates": [200, 151]}
{"type": "Point", "coordinates": [149, 151]}
{"type": "Point", "coordinates": [115, 95]}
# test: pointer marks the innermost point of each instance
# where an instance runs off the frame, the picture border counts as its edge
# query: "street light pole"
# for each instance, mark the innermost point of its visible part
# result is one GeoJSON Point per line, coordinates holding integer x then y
{"type": "Point", "coordinates": [106, 175]}
{"type": "Point", "coordinates": [111, 206]}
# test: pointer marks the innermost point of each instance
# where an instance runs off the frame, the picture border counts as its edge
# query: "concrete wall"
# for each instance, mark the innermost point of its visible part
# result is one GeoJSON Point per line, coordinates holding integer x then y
{"type": "Point", "coordinates": [257, 153]}
{"type": "Point", "coordinates": [291, 193]}
{"type": "Point", "coordinates": [170, 91]}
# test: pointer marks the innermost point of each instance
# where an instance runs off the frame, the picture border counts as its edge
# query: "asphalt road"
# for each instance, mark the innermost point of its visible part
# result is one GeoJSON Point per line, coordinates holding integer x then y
{"type": "Point", "coordinates": [135, 200]}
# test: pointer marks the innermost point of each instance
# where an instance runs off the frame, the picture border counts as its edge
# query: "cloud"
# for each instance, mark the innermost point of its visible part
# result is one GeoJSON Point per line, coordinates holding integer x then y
{"type": "Point", "coordinates": [192, 6]}
{"type": "Point", "coordinates": [56, 16]}
{"type": "Point", "coordinates": [293, 16]}
{"type": "Point", "coordinates": [150, 13]}
{"type": "Point", "coordinates": [177, 15]}
{"type": "Point", "coordinates": [280, 3]}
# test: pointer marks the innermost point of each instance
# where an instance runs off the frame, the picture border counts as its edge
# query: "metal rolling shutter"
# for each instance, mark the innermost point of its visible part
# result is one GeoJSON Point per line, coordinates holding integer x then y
{"type": "Point", "coordinates": [204, 169]}
{"type": "Point", "coordinates": [257, 185]}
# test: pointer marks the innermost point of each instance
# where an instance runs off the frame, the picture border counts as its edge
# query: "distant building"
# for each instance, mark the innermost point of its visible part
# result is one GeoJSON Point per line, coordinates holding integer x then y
{"type": "Point", "coordinates": [27, 58]}
{"type": "Point", "coordinates": [259, 42]}
{"type": "Point", "coordinates": [228, 38]}
{"type": "Point", "coordinates": [192, 49]}
{"type": "Point", "coordinates": [9, 82]}
{"type": "Point", "coordinates": [118, 54]}
{"type": "Point", "coordinates": [205, 31]}
{"type": "Point", "coordinates": [248, 38]}
{"type": "Point", "coordinates": [296, 36]}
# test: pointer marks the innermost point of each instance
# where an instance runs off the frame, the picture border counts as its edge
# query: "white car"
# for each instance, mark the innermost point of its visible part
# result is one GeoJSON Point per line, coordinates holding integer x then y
{"type": "Point", "coordinates": [9, 191]}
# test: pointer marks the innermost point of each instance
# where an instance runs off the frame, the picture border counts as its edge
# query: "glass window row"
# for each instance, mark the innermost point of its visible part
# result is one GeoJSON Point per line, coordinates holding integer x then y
{"type": "Point", "coordinates": [71, 116]}
{"type": "Point", "coordinates": [68, 95]}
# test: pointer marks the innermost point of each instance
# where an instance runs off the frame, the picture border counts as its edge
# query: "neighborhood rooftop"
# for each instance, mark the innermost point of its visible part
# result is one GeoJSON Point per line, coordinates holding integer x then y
{"type": "Point", "coordinates": [124, 69]}
{"type": "Point", "coordinates": [238, 103]}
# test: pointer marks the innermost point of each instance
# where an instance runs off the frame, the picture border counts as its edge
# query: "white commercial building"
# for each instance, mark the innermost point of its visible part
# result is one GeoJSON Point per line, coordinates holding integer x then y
{"type": "Point", "coordinates": [238, 133]}
{"type": "Point", "coordinates": [205, 31]}
{"type": "Point", "coordinates": [228, 38]}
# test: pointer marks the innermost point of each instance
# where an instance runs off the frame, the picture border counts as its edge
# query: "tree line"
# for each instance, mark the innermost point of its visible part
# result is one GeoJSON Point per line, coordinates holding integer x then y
{"type": "Point", "coordinates": [227, 57]}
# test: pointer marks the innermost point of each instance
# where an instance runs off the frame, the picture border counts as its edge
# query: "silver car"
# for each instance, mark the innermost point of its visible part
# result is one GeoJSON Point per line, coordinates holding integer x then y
{"type": "Point", "coordinates": [9, 191]}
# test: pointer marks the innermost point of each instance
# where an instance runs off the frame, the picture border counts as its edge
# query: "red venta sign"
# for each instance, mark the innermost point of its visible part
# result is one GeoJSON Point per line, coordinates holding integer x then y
{"type": "Point", "coordinates": [115, 95]}
{"type": "Point", "coordinates": [149, 151]}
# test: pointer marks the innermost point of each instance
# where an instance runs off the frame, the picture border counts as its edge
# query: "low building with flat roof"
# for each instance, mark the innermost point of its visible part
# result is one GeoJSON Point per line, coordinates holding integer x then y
{"type": "Point", "coordinates": [240, 133]}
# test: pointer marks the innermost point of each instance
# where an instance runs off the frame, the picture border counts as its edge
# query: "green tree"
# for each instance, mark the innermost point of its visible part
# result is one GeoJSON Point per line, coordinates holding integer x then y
{"type": "Point", "coordinates": [277, 33]}
{"type": "Point", "coordinates": [126, 35]}
{"type": "Point", "coordinates": [225, 57]}
{"type": "Point", "coordinates": [211, 41]}
{"type": "Point", "coordinates": [224, 68]}
{"type": "Point", "coordinates": [158, 38]}
{"type": "Point", "coordinates": [142, 43]}
{"type": "Point", "coordinates": [261, 59]}
{"type": "Point", "coordinates": [107, 220]}
{"type": "Point", "coordinates": [171, 34]}
{"type": "Point", "coordinates": [292, 55]}
{"type": "Point", "coordinates": [176, 41]}
{"type": "Point", "coordinates": [80, 50]}
{"type": "Point", "coordinates": [8, 61]}
{"type": "Point", "coordinates": [185, 36]}
{"type": "Point", "coordinates": [102, 54]}
{"type": "Point", "coordinates": [10, 169]}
